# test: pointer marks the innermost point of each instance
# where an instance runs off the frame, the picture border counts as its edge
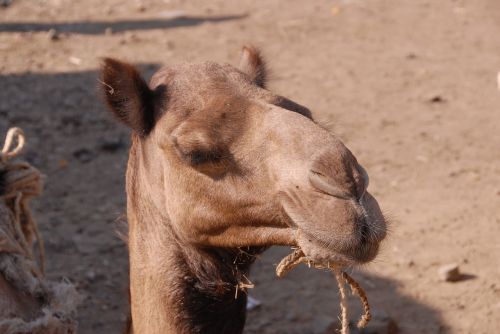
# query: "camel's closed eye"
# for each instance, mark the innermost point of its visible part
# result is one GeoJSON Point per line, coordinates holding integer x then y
{"type": "Point", "coordinates": [202, 156]}
{"type": "Point", "coordinates": [214, 163]}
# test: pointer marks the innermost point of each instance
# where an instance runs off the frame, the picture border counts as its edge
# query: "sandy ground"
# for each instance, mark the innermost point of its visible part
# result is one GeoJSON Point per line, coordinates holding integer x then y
{"type": "Point", "coordinates": [409, 85]}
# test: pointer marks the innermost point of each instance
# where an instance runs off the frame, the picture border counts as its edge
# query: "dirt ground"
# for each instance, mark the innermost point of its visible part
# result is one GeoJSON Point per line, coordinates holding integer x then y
{"type": "Point", "coordinates": [409, 85]}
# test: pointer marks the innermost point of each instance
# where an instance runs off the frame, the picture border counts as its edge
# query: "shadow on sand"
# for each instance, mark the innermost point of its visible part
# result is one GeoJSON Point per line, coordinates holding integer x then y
{"type": "Point", "coordinates": [82, 152]}
{"type": "Point", "coordinates": [306, 302]}
{"type": "Point", "coordinates": [99, 27]}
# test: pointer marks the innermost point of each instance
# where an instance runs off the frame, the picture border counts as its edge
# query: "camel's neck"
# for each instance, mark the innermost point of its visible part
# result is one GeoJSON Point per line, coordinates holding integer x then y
{"type": "Point", "coordinates": [177, 287]}
{"type": "Point", "coordinates": [208, 286]}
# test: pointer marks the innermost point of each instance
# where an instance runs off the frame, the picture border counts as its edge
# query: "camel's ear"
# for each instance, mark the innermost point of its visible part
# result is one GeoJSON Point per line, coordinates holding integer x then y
{"type": "Point", "coordinates": [253, 64]}
{"type": "Point", "coordinates": [128, 95]}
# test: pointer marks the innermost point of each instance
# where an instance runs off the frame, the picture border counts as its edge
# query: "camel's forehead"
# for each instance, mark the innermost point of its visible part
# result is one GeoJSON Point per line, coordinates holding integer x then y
{"type": "Point", "coordinates": [200, 78]}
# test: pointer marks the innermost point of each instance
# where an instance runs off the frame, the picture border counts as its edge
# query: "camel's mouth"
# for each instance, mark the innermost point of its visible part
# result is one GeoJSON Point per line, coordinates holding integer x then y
{"type": "Point", "coordinates": [338, 231]}
{"type": "Point", "coordinates": [347, 253]}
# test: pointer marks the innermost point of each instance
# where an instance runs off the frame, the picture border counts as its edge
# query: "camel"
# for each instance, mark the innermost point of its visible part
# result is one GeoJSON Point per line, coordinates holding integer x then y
{"type": "Point", "coordinates": [220, 169]}
{"type": "Point", "coordinates": [29, 302]}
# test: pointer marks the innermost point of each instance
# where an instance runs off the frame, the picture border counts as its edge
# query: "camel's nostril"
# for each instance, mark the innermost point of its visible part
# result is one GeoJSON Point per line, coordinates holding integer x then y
{"type": "Point", "coordinates": [321, 182]}
{"type": "Point", "coordinates": [366, 179]}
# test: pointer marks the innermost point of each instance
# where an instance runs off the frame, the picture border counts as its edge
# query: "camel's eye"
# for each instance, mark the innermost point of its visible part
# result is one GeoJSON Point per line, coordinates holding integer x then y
{"type": "Point", "coordinates": [200, 157]}
{"type": "Point", "coordinates": [198, 150]}
{"type": "Point", "coordinates": [214, 163]}
{"type": "Point", "coordinates": [202, 149]}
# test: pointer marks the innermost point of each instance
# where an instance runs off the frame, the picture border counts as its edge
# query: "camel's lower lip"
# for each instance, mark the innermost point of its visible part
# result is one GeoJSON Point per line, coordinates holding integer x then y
{"type": "Point", "coordinates": [355, 255]}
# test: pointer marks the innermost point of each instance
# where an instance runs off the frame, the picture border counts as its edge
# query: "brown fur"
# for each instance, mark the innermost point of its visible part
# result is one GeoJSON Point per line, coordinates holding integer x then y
{"type": "Point", "coordinates": [219, 169]}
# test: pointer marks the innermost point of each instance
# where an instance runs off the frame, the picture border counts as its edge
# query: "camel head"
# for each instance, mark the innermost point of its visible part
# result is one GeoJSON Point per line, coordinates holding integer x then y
{"type": "Point", "coordinates": [227, 163]}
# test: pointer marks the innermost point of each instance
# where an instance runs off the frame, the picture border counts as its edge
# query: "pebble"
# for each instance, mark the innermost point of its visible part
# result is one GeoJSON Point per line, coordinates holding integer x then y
{"type": "Point", "coordinates": [436, 99]}
{"type": "Point", "coordinates": [75, 60]}
{"type": "Point", "coordinates": [141, 7]}
{"type": "Point", "coordinates": [53, 35]}
{"type": "Point", "coordinates": [449, 273]}
{"type": "Point", "coordinates": [253, 303]}
{"type": "Point", "coordinates": [498, 80]}
{"type": "Point", "coordinates": [62, 163]}
{"type": "Point", "coordinates": [83, 155]}
{"type": "Point", "coordinates": [91, 275]}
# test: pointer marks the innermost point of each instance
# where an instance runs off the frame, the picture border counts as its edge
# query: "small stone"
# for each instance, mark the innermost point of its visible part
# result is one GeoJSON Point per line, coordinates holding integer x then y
{"type": "Point", "coordinates": [498, 80]}
{"type": "Point", "coordinates": [436, 99]}
{"type": "Point", "coordinates": [83, 155]}
{"type": "Point", "coordinates": [253, 303]}
{"type": "Point", "coordinates": [90, 275]}
{"type": "Point", "coordinates": [62, 163]}
{"type": "Point", "coordinates": [75, 60]}
{"type": "Point", "coordinates": [108, 31]}
{"type": "Point", "coordinates": [53, 35]}
{"type": "Point", "coordinates": [450, 273]}
{"type": "Point", "coordinates": [141, 7]}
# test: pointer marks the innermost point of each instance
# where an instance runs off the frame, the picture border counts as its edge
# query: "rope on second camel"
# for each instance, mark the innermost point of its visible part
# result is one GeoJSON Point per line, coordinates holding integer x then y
{"type": "Point", "coordinates": [21, 182]}
{"type": "Point", "coordinates": [54, 302]}
{"type": "Point", "coordinates": [297, 257]}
